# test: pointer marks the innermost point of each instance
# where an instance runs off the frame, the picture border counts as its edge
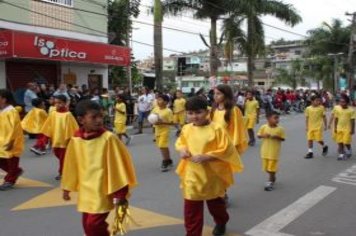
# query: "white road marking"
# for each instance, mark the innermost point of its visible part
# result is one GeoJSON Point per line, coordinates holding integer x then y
{"type": "Point", "coordinates": [347, 177]}
{"type": "Point", "coordinates": [272, 225]}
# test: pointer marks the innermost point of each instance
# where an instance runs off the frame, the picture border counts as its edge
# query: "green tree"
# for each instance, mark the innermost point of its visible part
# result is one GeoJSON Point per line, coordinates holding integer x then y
{"type": "Point", "coordinates": [293, 77]}
{"type": "Point", "coordinates": [204, 9]}
{"type": "Point", "coordinates": [252, 11]}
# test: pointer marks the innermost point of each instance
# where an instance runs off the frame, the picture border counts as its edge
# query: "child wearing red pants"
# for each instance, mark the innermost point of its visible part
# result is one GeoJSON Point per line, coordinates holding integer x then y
{"type": "Point", "coordinates": [60, 127]}
{"type": "Point", "coordinates": [33, 122]}
{"type": "Point", "coordinates": [206, 169]}
{"type": "Point", "coordinates": [11, 140]}
{"type": "Point", "coordinates": [98, 166]}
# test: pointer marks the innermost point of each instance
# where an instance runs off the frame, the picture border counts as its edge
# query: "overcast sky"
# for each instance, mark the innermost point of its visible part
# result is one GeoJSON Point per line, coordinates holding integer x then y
{"type": "Point", "coordinates": [313, 12]}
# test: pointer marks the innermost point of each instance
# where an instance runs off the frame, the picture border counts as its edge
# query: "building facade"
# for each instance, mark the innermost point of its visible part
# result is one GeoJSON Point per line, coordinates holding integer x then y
{"type": "Point", "coordinates": [54, 41]}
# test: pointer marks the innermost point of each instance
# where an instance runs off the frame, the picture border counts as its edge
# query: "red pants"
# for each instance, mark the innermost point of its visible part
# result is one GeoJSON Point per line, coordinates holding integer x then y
{"type": "Point", "coordinates": [60, 153]}
{"type": "Point", "coordinates": [12, 169]}
{"type": "Point", "coordinates": [41, 142]}
{"type": "Point", "coordinates": [194, 215]}
{"type": "Point", "coordinates": [95, 224]}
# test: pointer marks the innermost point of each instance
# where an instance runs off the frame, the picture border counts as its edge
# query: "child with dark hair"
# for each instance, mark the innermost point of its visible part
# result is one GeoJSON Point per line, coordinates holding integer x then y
{"type": "Point", "coordinates": [272, 135]}
{"type": "Point", "coordinates": [315, 125]}
{"type": "Point", "coordinates": [59, 128]}
{"type": "Point", "coordinates": [344, 127]}
{"type": "Point", "coordinates": [97, 166]}
{"type": "Point", "coordinates": [33, 122]}
{"type": "Point", "coordinates": [11, 140]}
{"type": "Point", "coordinates": [120, 118]}
{"type": "Point", "coordinates": [208, 161]}
{"type": "Point", "coordinates": [252, 111]}
{"type": "Point", "coordinates": [162, 128]}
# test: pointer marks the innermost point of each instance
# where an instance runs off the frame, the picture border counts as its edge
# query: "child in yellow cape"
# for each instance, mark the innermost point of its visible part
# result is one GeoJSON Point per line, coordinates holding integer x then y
{"type": "Point", "coordinates": [11, 140]}
{"type": "Point", "coordinates": [99, 167]}
{"type": "Point", "coordinates": [32, 123]}
{"type": "Point", "coordinates": [60, 127]}
{"type": "Point", "coordinates": [208, 161]}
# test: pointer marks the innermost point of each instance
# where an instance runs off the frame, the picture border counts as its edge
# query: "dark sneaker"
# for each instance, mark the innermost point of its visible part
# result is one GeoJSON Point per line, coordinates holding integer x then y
{"type": "Point", "coordinates": [310, 155]}
{"type": "Point", "coordinates": [6, 186]}
{"type": "Point", "coordinates": [269, 186]}
{"type": "Point", "coordinates": [348, 155]}
{"type": "Point", "coordinates": [340, 158]}
{"type": "Point", "coordinates": [167, 165]}
{"type": "Point", "coordinates": [219, 230]}
{"type": "Point", "coordinates": [58, 177]}
{"type": "Point", "coordinates": [252, 143]}
{"type": "Point", "coordinates": [37, 151]}
{"type": "Point", "coordinates": [128, 140]}
{"type": "Point", "coordinates": [325, 151]}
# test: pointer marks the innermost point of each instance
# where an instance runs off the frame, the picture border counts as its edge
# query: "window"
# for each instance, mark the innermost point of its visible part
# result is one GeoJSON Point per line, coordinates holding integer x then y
{"type": "Point", "coordinates": [185, 84]}
{"type": "Point", "coordinates": [260, 83]}
{"type": "Point", "coordinates": [68, 3]}
{"type": "Point", "coordinates": [298, 52]}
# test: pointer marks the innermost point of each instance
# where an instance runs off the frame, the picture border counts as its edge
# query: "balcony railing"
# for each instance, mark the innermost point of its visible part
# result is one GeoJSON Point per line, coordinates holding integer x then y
{"type": "Point", "coordinates": [67, 3]}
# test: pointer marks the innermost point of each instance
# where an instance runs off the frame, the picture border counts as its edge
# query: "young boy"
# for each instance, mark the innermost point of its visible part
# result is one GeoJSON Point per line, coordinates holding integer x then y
{"type": "Point", "coordinates": [162, 128]}
{"type": "Point", "coordinates": [120, 119]}
{"type": "Point", "coordinates": [252, 111]}
{"type": "Point", "coordinates": [208, 161]}
{"type": "Point", "coordinates": [33, 122]}
{"type": "Point", "coordinates": [315, 120]}
{"type": "Point", "coordinates": [272, 135]}
{"type": "Point", "coordinates": [97, 166]}
{"type": "Point", "coordinates": [179, 111]}
{"type": "Point", "coordinates": [60, 127]}
{"type": "Point", "coordinates": [344, 127]}
{"type": "Point", "coordinates": [11, 140]}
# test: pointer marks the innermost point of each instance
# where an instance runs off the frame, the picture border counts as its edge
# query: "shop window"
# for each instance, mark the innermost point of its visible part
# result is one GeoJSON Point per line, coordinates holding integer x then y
{"type": "Point", "coordinates": [68, 3]}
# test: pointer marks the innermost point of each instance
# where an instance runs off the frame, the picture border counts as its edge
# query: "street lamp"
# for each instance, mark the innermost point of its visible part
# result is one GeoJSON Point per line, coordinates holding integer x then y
{"type": "Point", "coordinates": [335, 56]}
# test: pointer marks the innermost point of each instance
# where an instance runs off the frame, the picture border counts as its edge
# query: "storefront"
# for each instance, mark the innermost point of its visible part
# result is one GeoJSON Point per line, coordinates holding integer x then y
{"type": "Point", "coordinates": [26, 57]}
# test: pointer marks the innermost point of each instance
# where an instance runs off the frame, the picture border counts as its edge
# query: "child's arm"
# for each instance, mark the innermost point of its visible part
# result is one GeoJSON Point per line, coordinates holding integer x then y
{"type": "Point", "coordinates": [201, 158]}
{"type": "Point", "coordinates": [306, 123]}
{"type": "Point", "coordinates": [276, 137]}
{"type": "Point", "coordinates": [263, 136]}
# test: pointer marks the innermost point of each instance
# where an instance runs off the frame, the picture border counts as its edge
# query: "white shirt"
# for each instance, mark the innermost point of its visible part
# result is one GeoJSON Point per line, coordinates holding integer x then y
{"type": "Point", "coordinates": [145, 102]}
{"type": "Point", "coordinates": [240, 100]}
{"type": "Point", "coordinates": [8, 108]}
{"type": "Point", "coordinates": [29, 96]}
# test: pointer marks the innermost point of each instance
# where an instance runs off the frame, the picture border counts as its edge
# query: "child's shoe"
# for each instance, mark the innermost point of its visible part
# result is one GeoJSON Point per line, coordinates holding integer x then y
{"type": "Point", "coordinates": [310, 155]}
{"type": "Point", "coordinates": [269, 186]}
{"type": "Point", "coordinates": [219, 230]}
{"type": "Point", "coordinates": [325, 150]}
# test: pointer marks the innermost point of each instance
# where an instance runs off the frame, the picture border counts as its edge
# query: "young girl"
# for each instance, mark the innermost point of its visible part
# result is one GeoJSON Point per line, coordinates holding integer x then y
{"type": "Point", "coordinates": [179, 111]}
{"type": "Point", "coordinates": [225, 113]}
{"type": "Point", "coordinates": [120, 119]}
{"type": "Point", "coordinates": [11, 140]}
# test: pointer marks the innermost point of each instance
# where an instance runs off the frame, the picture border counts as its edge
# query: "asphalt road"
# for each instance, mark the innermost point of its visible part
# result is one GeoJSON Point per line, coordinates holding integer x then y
{"type": "Point", "coordinates": [312, 197]}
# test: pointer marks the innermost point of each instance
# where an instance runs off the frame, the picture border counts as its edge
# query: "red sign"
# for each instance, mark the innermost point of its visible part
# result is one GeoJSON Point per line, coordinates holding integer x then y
{"type": "Point", "coordinates": [5, 44]}
{"type": "Point", "coordinates": [38, 46]}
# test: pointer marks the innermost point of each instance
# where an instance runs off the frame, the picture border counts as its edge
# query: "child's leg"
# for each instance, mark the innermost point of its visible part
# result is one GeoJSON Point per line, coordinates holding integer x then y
{"type": "Point", "coordinates": [13, 170]}
{"type": "Point", "coordinates": [120, 136]}
{"type": "Point", "coordinates": [193, 217]}
{"type": "Point", "coordinates": [60, 153]}
{"type": "Point", "coordinates": [251, 135]}
{"type": "Point", "coordinates": [321, 143]}
{"type": "Point", "coordinates": [95, 224]}
{"type": "Point", "coordinates": [165, 154]}
{"type": "Point", "coordinates": [310, 145]}
{"type": "Point", "coordinates": [217, 209]}
{"type": "Point", "coordinates": [272, 176]}
{"type": "Point", "coordinates": [41, 142]}
{"type": "Point", "coordinates": [341, 151]}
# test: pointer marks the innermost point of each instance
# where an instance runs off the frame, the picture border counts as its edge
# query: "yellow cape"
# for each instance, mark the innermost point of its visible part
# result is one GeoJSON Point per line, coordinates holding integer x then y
{"type": "Point", "coordinates": [97, 168]}
{"type": "Point", "coordinates": [34, 120]}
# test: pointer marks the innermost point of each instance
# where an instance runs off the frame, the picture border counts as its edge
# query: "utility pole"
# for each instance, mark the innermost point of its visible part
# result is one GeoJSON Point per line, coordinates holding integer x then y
{"type": "Point", "coordinates": [128, 39]}
{"type": "Point", "coordinates": [351, 51]}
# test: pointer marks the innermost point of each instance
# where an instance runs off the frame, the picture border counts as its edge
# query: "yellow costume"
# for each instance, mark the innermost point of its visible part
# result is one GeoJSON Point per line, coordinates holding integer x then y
{"type": "Point", "coordinates": [11, 133]}
{"type": "Point", "coordinates": [251, 108]}
{"type": "Point", "coordinates": [32, 123]}
{"type": "Point", "coordinates": [120, 119]}
{"type": "Point", "coordinates": [179, 111]}
{"type": "Point", "coordinates": [315, 117]}
{"type": "Point", "coordinates": [162, 131]}
{"type": "Point", "coordinates": [343, 129]}
{"type": "Point", "coordinates": [97, 168]}
{"type": "Point", "coordinates": [51, 108]}
{"type": "Point", "coordinates": [333, 113]}
{"type": "Point", "coordinates": [60, 127]}
{"type": "Point", "coordinates": [207, 180]}
{"type": "Point", "coordinates": [271, 148]}
{"type": "Point", "coordinates": [236, 128]}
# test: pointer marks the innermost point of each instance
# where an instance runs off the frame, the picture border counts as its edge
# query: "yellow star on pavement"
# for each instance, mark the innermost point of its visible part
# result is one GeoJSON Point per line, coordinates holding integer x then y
{"type": "Point", "coordinates": [27, 183]}
{"type": "Point", "coordinates": [144, 219]}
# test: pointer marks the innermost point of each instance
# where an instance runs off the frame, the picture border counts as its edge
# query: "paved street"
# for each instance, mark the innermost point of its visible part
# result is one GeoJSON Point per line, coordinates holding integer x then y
{"type": "Point", "coordinates": [312, 197]}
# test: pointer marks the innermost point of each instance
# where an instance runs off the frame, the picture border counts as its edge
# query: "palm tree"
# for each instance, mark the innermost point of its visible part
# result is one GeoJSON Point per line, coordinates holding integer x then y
{"type": "Point", "coordinates": [203, 9]}
{"type": "Point", "coordinates": [157, 39]}
{"type": "Point", "coordinates": [252, 11]}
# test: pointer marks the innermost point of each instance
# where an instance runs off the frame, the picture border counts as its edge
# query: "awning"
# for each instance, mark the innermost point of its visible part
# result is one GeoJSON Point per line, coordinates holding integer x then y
{"type": "Point", "coordinates": [17, 44]}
